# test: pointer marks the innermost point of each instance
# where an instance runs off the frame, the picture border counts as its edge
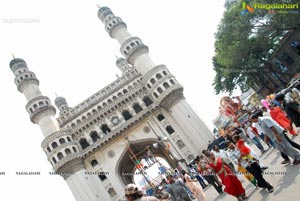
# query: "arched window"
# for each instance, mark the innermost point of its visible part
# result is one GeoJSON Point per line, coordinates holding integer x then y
{"type": "Point", "coordinates": [158, 76]}
{"type": "Point", "coordinates": [41, 103]}
{"type": "Point", "coordinates": [125, 91]}
{"type": "Point", "coordinates": [102, 176]}
{"type": "Point", "coordinates": [68, 151]}
{"type": "Point", "coordinates": [105, 129]}
{"type": "Point", "coordinates": [94, 111]}
{"type": "Point", "coordinates": [166, 85]}
{"type": "Point", "coordinates": [84, 144]}
{"type": "Point", "coordinates": [137, 108]}
{"type": "Point", "coordinates": [149, 86]}
{"type": "Point", "coordinates": [69, 139]}
{"type": "Point", "coordinates": [73, 125]}
{"type": "Point", "coordinates": [60, 155]}
{"type": "Point", "coordinates": [62, 141]}
{"type": "Point", "coordinates": [172, 81]}
{"type": "Point", "coordinates": [48, 149]}
{"type": "Point", "coordinates": [54, 145]}
{"type": "Point", "coordinates": [160, 117]}
{"type": "Point", "coordinates": [94, 163]}
{"type": "Point", "coordinates": [170, 130]}
{"type": "Point", "coordinates": [152, 81]}
{"type": "Point", "coordinates": [155, 95]}
{"type": "Point", "coordinates": [159, 90]}
{"type": "Point", "coordinates": [164, 72]}
{"type": "Point", "coordinates": [126, 115]}
{"type": "Point", "coordinates": [74, 149]}
{"type": "Point", "coordinates": [54, 160]}
{"type": "Point", "coordinates": [94, 135]}
{"type": "Point", "coordinates": [147, 101]}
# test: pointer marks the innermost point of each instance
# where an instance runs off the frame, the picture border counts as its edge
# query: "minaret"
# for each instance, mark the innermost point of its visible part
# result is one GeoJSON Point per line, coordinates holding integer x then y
{"type": "Point", "coordinates": [123, 65]}
{"type": "Point", "coordinates": [62, 151]}
{"type": "Point", "coordinates": [132, 48]}
{"type": "Point", "coordinates": [39, 107]}
{"type": "Point", "coordinates": [160, 83]}
{"type": "Point", "coordinates": [61, 104]}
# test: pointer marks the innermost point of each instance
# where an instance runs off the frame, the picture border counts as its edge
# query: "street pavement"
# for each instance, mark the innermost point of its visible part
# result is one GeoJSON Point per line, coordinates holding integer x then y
{"type": "Point", "coordinates": [284, 178]}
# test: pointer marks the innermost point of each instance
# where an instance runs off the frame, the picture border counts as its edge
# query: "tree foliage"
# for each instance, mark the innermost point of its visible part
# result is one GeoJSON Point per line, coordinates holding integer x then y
{"type": "Point", "coordinates": [245, 43]}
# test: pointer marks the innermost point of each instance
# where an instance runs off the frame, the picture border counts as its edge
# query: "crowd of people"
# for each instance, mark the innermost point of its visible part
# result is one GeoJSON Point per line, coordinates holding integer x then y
{"type": "Point", "coordinates": [267, 128]}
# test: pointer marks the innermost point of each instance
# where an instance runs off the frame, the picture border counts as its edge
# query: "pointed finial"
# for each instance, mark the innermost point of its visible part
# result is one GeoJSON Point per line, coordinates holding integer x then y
{"type": "Point", "coordinates": [12, 54]}
{"type": "Point", "coordinates": [98, 6]}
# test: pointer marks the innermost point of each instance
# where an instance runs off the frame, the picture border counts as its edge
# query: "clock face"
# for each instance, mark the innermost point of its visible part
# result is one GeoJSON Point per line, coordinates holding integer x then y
{"type": "Point", "coordinates": [115, 120]}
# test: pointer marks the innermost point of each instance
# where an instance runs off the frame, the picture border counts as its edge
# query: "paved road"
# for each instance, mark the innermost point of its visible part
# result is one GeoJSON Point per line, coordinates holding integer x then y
{"type": "Point", "coordinates": [284, 178]}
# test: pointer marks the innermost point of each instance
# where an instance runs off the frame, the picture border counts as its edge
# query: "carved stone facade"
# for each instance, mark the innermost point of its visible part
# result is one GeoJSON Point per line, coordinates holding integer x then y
{"type": "Point", "coordinates": [90, 144]}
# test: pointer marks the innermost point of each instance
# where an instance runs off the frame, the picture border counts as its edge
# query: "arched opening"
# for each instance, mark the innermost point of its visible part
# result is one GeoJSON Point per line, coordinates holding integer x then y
{"type": "Point", "coordinates": [62, 141]}
{"type": "Point", "coordinates": [105, 129]}
{"type": "Point", "coordinates": [127, 164]}
{"type": "Point", "coordinates": [159, 90]}
{"type": "Point", "coordinates": [68, 151]}
{"type": "Point", "coordinates": [152, 81]}
{"type": "Point", "coordinates": [102, 176]}
{"type": "Point", "coordinates": [54, 145]}
{"type": "Point", "coordinates": [94, 135]}
{"type": "Point", "coordinates": [60, 155]}
{"type": "Point", "coordinates": [170, 129]}
{"type": "Point", "coordinates": [83, 143]}
{"type": "Point", "coordinates": [147, 101]}
{"type": "Point", "coordinates": [166, 85]}
{"type": "Point", "coordinates": [158, 76]}
{"type": "Point", "coordinates": [137, 108]}
{"type": "Point", "coordinates": [160, 117]}
{"type": "Point", "coordinates": [94, 163]}
{"type": "Point", "coordinates": [126, 115]}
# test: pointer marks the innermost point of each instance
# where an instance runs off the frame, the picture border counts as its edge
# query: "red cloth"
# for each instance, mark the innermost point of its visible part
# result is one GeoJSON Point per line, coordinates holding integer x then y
{"type": "Point", "coordinates": [232, 184]}
{"type": "Point", "coordinates": [240, 145]}
{"type": "Point", "coordinates": [280, 117]}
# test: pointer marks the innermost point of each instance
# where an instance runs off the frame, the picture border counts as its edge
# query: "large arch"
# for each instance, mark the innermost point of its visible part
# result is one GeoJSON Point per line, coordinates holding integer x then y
{"type": "Point", "coordinates": [125, 166]}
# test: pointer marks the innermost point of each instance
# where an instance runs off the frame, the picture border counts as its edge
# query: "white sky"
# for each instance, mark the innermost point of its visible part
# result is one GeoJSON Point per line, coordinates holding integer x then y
{"type": "Point", "coordinates": [65, 45]}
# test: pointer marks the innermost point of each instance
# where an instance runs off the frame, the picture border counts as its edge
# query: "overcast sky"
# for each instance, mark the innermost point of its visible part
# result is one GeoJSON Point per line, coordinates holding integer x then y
{"type": "Point", "coordinates": [66, 46]}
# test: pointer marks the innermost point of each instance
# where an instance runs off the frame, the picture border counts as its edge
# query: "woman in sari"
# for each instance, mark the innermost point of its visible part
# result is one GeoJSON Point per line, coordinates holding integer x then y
{"type": "Point", "coordinates": [232, 184]}
{"type": "Point", "coordinates": [281, 118]}
{"type": "Point", "coordinates": [192, 185]}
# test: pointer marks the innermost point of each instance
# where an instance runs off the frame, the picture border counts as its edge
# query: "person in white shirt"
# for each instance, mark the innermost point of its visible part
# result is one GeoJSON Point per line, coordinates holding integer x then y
{"type": "Point", "coordinates": [254, 138]}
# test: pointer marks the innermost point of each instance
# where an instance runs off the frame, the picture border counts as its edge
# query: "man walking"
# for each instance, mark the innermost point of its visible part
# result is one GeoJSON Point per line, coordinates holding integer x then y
{"type": "Point", "coordinates": [178, 189]}
{"type": "Point", "coordinates": [277, 134]}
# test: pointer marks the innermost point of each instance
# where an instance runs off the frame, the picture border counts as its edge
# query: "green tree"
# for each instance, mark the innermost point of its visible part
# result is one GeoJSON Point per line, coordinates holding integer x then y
{"type": "Point", "coordinates": [245, 44]}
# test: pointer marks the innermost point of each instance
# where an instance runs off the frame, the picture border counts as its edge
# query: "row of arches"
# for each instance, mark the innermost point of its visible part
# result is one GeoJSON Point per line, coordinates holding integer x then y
{"type": "Point", "coordinates": [60, 155]}
{"type": "Point", "coordinates": [60, 141]}
{"type": "Point", "coordinates": [26, 76]}
{"type": "Point", "coordinates": [125, 113]}
{"type": "Point", "coordinates": [165, 86]}
{"type": "Point", "coordinates": [157, 77]}
{"type": "Point", "coordinates": [106, 129]}
{"type": "Point", "coordinates": [40, 104]}
{"type": "Point", "coordinates": [108, 102]}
